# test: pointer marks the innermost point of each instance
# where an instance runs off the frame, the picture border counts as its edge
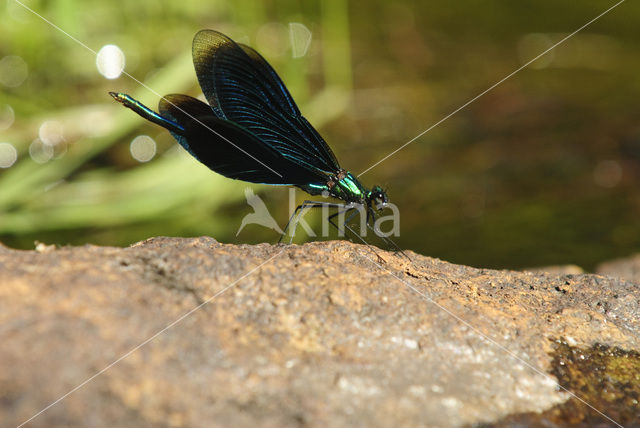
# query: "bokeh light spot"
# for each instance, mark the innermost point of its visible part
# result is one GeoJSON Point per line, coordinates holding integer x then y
{"type": "Point", "coordinates": [13, 71]}
{"type": "Point", "coordinates": [300, 39]}
{"type": "Point", "coordinates": [271, 39]}
{"type": "Point", "coordinates": [607, 173]}
{"type": "Point", "coordinates": [143, 148]}
{"type": "Point", "coordinates": [110, 61]}
{"type": "Point", "coordinates": [7, 116]}
{"type": "Point", "coordinates": [532, 45]}
{"type": "Point", "coordinates": [51, 132]}
{"type": "Point", "coordinates": [8, 155]}
{"type": "Point", "coordinates": [40, 152]}
{"type": "Point", "coordinates": [18, 12]}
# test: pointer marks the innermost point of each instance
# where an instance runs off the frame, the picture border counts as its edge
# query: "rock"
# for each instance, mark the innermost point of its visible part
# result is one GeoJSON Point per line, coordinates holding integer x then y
{"type": "Point", "coordinates": [557, 269]}
{"type": "Point", "coordinates": [627, 268]}
{"type": "Point", "coordinates": [191, 332]}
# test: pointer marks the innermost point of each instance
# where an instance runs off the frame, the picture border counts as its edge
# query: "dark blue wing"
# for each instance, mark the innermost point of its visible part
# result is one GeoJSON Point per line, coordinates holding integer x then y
{"type": "Point", "coordinates": [227, 148]}
{"type": "Point", "coordinates": [242, 87]}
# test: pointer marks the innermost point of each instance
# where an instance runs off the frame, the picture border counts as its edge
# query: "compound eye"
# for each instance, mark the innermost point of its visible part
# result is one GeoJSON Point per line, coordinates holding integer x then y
{"type": "Point", "coordinates": [378, 197]}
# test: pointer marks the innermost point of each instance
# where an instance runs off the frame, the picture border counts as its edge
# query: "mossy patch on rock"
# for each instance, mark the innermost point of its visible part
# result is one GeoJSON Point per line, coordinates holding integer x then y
{"type": "Point", "coordinates": [606, 381]}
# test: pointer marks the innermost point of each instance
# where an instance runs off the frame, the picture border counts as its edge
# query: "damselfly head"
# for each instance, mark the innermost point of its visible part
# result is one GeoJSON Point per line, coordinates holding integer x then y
{"type": "Point", "coordinates": [378, 197]}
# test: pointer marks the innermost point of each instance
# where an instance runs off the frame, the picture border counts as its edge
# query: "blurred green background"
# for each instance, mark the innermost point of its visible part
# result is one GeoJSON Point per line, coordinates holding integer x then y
{"type": "Point", "coordinates": [542, 170]}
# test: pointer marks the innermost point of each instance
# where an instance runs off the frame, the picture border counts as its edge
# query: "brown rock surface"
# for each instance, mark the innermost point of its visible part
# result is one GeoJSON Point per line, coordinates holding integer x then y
{"type": "Point", "coordinates": [627, 268]}
{"type": "Point", "coordinates": [324, 334]}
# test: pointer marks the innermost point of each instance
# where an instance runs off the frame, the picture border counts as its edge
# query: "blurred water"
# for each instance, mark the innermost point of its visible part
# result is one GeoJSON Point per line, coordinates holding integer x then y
{"type": "Point", "coordinates": [544, 169]}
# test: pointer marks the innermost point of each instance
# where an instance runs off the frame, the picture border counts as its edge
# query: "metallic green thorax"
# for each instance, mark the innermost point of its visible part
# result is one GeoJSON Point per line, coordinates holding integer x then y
{"type": "Point", "coordinates": [343, 185]}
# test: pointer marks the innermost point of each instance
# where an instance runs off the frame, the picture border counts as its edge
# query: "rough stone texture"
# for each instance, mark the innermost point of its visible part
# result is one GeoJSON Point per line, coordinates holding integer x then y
{"type": "Point", "coordinates": [627, 268]}
{"type": "Point", "coordinates": [558, 270]}
{"type": "Point", "coordinates": [324, 334]}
